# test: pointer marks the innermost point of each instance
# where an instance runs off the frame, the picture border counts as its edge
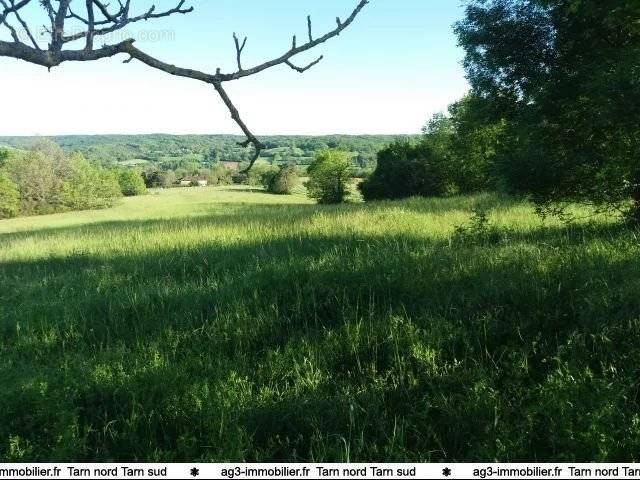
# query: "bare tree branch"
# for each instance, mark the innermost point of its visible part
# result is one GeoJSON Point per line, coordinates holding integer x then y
{"type": "Point", "coordinates": [239, 49]}
{"type": "Point", "coordinates": [57, 33]}
{"type": "Point", "coordinates": [26, 28]}
{"type": "Point", "coordinates": [297, 50]}
{"type": "Point", "coordinates": [14, 7]}
{"type": "Point", "coordinates": [304, 69]}
{"type": "Point", "coordinates": [121, 19]}
{"type": "Point", "coordinates": [12, 30]}
{"type": "Point", "coordinates": [251, 138]}
{"type": "Point", "coordinates": [104, 21]}
{"type": "Point", "coordinates": [91, 21]}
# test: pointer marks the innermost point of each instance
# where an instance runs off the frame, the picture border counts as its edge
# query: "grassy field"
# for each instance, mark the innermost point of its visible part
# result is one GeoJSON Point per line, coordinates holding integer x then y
{"type": "Point", "coordinates": [228, 325]}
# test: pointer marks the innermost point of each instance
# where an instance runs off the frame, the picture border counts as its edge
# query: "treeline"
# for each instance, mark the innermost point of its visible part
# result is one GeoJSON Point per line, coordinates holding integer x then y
{"type": "Point", "coordinates": [163, 176]}
{"type": "Point", "coordinates": [45, 179]}
{"type": "Point", "coordinates": [554, 111]}
{"type": "Point", "coordinates": [172, 153]}
{"type": "Point", "coordinates": [460, 152]}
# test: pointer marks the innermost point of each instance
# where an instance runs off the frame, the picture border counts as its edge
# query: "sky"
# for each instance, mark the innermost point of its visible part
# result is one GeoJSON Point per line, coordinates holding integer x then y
{"type": "Point", "coordinates": [398, 64]}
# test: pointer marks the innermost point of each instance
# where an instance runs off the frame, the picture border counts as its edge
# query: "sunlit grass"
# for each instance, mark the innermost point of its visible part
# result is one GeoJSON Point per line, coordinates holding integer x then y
{"type": "Point", "coordinates": [227, 324]}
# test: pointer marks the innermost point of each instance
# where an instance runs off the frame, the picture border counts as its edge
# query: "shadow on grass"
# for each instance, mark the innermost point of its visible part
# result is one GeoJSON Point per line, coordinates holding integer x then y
{"type": "Point", "coordinates": [231, 214]}
{"type": "Point", "coordinates": [334, 347]}
{"type": "Point", "coordinates": [243, 190]}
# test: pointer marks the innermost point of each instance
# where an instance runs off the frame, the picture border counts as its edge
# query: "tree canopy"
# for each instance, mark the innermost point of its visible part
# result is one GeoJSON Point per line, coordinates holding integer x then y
{"type": "Point", "coordinates": [330, 176]}
{"type": "Point", "coordinates": [565, 75]}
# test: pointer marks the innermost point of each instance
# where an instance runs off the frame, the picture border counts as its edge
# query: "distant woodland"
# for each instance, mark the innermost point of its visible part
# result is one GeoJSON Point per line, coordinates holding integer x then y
{"type": "Point", "coordinates": [171, 152]}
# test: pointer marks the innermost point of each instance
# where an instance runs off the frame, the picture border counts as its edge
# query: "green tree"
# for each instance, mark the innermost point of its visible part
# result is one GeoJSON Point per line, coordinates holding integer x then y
{"type": "Point", "coordinates": [88, 186]}
{"type": "Point", "coordinates": [4, 156]}
{"type": "Point", "coordinates": [406, 169]}
{"type": "Point", "coordinates": [330, 176]}
{"type": "Point", "coordinates": [39, 180]}
{"type": "Point", "coordinates": [212, 157]}
{"type": "Point", "coordinates": [52, 151]}
{"type": "Point", "coordinates": [254, 176]}
{"type": "Point", "coordinates": [157, 178]}
{"type": "Point", "coordinates": [469, 143]}
{"type": "Point", "coordinates": [217, 175]}
{"type": "Point", "coordinates": [153, 178]}
{"type": "Point", "coordinates": [9, 197]}
{"type": "Point", "coordinates": [281, 181]}
{"type": "Point", "coordinates": [131, 183]}
{"type": "Point", "coordinates": [564, 75]}
{"type": "Point", "coordinates": [168, 179]}
{"type": "Point", "coordinates": [48, 181]}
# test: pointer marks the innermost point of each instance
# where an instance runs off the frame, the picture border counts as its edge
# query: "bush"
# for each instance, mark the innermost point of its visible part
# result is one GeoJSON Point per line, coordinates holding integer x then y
{"type": "Point", "coordinates": [9, 198]}
{"type": "Point", "coordinates": [217, 175]}
{"type": "Point", "coordinates": [4, 156]}
{"type": "Point", "coordinates": [406, 170]}
{"type": "Point", "coordinates": [330, 175]}
{"type": "Point", "coordinates": [254, 176]}
{"type": "Point", "coordinates": [39, 179]}
{"type": "Point", "coordinates": [88, 186]}
{"type": "Point", "coordinates": [47, 180]}
{"type": "Point", "coordinates": [476, 147]}
{"type": "Point", "coordinates": [131, 183]}
{"type": "Point", "coordinates": [154, 178]}
{"type": "Point", "coordinates": [282, 181]}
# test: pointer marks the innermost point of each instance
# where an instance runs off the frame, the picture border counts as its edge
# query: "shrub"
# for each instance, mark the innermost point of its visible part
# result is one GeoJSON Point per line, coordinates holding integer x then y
{"type": "Point", "coordinates": [4, 156]}
{"type": "Point", "coordinates": [9, 198]}
{"type": "Point", "coordinates": [157, 178]}
{"type": "Point", "coordinates": [88, 186]}
{"type": "Point", "coordinates": [39, 179]}
{"type": "Point", "coordinates": [254, 176]}
{"type": "Point", "coordinates": [217, 175]}
{"type": "Point", "coordinates": [50, 150]}
{"type": "Point", "coordinates": [47, 180]}
{"type": "Point", "coordinates": [569, 141]}
{"type": "Point", "coordinates": [329, 176]}
{"type": "Point", "coordinates": [131, 183]}
{"type": "Point", "coordinates": [406, 170]}
{"type": "Point", "coordinates": [153, 178]}
{"type": "Point", "coordinates": [282, 181]}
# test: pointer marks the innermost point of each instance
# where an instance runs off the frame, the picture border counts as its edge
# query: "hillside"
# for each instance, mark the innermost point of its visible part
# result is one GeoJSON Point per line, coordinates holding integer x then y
{"type": "Point", "coordinates": [205, 149]}
{"type": "Point", "coordinates": [225, 323]}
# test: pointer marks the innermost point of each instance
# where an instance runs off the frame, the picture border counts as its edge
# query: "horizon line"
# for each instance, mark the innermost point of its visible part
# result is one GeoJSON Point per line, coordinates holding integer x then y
{"type": "Point", "coordinates": [208, 135]}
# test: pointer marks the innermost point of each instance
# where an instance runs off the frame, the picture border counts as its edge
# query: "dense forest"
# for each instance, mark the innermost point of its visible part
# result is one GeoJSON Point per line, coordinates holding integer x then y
{"type": "Point", "coordinates": [172, 152]}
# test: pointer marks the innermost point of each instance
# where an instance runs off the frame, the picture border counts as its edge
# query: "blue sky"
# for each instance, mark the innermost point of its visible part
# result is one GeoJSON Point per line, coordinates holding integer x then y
{"type": "Point", "coordinates": [393, 68]}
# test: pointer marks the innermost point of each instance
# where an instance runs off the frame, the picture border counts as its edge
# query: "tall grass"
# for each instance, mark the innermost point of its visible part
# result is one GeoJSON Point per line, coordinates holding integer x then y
{"type": "Point", "coordinates": [221, 324]}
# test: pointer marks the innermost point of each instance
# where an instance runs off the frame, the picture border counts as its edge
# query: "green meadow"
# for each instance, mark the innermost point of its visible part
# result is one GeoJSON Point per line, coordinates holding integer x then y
{"type": "Point", "coordinates": [226, 324]}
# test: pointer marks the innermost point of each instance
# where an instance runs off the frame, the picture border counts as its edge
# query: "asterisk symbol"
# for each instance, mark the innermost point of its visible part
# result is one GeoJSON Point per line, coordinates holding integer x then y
{"type": "Point", "coordinates": [446, 472]}
{"type": "Point", "coordinates": [195, 472]}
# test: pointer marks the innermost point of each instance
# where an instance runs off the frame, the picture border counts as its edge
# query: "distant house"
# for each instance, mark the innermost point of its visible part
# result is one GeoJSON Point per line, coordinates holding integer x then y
{"type": "Point", "coordinates": [192, 181]}
{"type": "Point", "coordinates": [231, 165]}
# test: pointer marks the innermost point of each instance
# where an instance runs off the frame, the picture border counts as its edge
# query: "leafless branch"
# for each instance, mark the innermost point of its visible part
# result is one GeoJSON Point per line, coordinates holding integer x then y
{"type": "Point", "coordinates": [12, 30]}
{"type": "Point", "coordinates": [304, 69]}
{"type": "Point", "coordinates": [57, 34]}
{"type": "Point", "coordinates": [121, 19]}
{"type": "Point", "coordinates": [239, 49]}
{"type": "Point", "coordinates": [251, 138]}
{"type": "Point", "coordinates": [100, 19]}
{"type": "Point", "coordinates": [91, 22]}
{"type": "Point", "coordinates": [12, 8]}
